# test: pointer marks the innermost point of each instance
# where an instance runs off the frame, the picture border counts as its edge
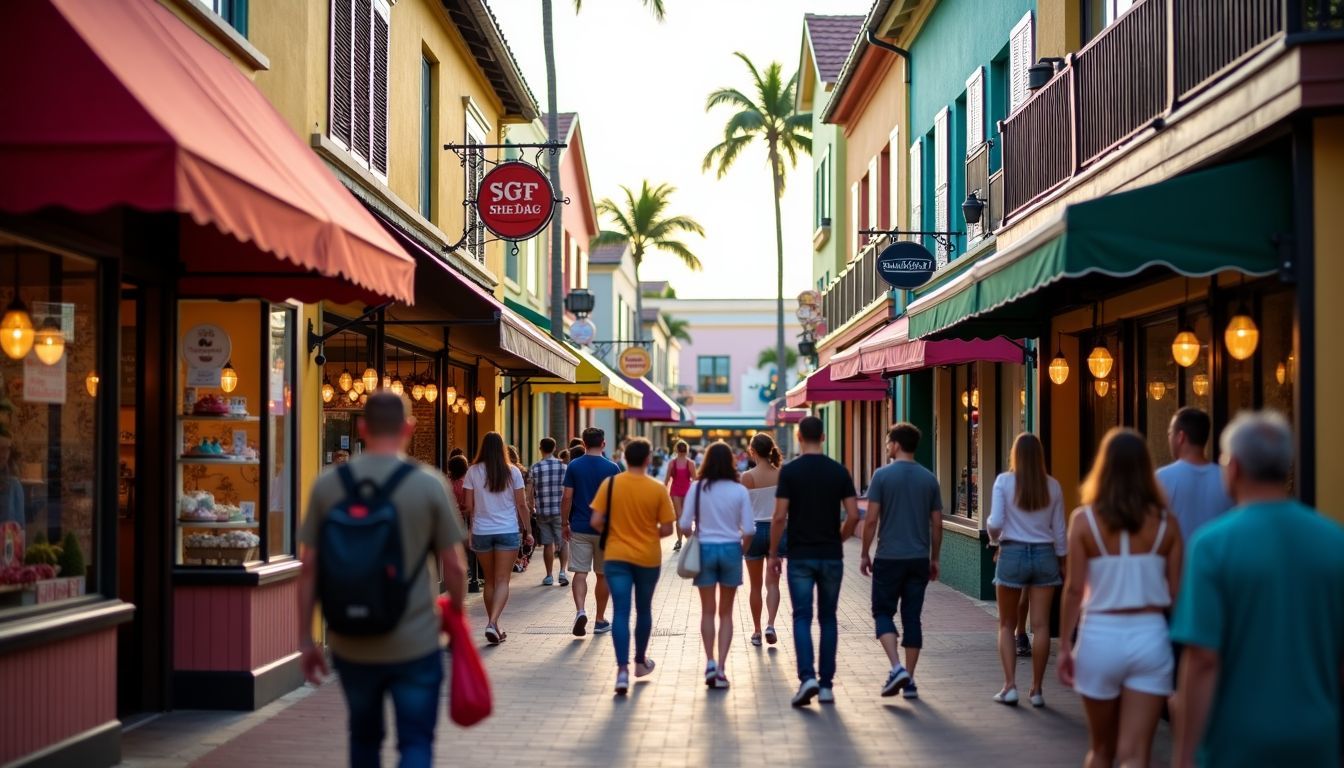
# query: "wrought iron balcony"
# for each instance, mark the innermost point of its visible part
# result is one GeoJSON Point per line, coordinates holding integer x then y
{"type": "Point", "coordinates": [1155, 57]}
{"type": "Point", "coordinates": [857, 287]}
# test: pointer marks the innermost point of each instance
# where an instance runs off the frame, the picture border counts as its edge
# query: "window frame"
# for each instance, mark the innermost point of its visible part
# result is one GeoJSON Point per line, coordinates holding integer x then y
{"type": "Point", "coordinates": [715, 361]}
{"type": "Point", "coordinates": [363, 150]}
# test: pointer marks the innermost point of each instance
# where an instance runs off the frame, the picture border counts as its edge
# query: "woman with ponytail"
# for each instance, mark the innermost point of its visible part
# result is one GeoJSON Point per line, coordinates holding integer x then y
{"type": "Point", "coordinates": [760, 482]}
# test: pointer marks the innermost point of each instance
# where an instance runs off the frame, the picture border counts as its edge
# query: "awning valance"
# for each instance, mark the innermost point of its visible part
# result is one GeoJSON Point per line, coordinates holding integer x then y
{"type": "Point", "coordinates": [657, 406]}
{"type": "Point", "coordinates": [596, 385]}
{"type": "Point", "coordinates": [779, 413]}
{"type": "Point", "coordinates": [820, 387]}
{"type": "Point", "coordinates": [1198, 224]}
{"type": "Point", "coordinates": [121, 105]}
{"type": "Point", "coordinates": [890, 351]}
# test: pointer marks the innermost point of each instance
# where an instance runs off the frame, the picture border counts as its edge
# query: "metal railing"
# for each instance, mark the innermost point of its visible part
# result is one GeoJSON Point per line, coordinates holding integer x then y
{"type": "Point", "coordinates": [857, 286]}
{"type": "Point", "coordinates": [1155, 57]}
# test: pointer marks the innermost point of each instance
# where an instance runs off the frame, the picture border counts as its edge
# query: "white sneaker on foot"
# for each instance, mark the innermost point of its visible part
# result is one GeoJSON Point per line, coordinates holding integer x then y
{"type": "Point", "coordinates": [827, 696]}
{"type": "Point", "coordinates": [806, 692]}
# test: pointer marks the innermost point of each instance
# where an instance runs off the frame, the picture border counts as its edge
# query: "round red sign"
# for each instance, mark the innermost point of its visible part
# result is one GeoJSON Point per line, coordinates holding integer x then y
{"type": "Point", "coordinates": [515, 200]}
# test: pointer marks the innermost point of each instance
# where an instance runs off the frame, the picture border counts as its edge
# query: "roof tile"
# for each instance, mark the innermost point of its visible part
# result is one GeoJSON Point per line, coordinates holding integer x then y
{"type": "Point", "coordinates": [832, 37]}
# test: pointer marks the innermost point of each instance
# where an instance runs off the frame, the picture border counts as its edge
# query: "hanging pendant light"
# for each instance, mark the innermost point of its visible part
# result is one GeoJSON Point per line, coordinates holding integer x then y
{"type": "Point", "coordinates": [353, 394]}
{"type": "Point", "coordinates": [1099, 361]}
{"type": "Point", "coordinates": [1059, 367]}
{"type": "Point", "coordinates": [417, 387]}
{"type": "Point", "coordinates": [91, 384]}
{"type": "Point", "coordinates": [1241, 336]}
{"type": "Point", "coordinates": [16, 327]}
{"type": "Point", "coordinates": [363, 399]}
{"type": "Point", "coordinates": [370, 379]}
{"type": "Point", "coordinates": [397, 387]}
{"type": "Point", "coordinates": [450, 394]}
{"type": "Point", "coordinates": [1185, 348]}
{"type": "Point", "coordinates": [1199, 383]}
{"type": "Point", "coordinates": [357, 388]}
{"type": "Point", "coordinates": [1101, 386]}
{"type": "Point", "coordinates": [228, 377]}
{"type": "Point", "coordinates": [480, 403]}
{"type": "Point", "coordinates": [1156, 389]}
{"type": "Point", "coordinates": [328, 392]}
{"type": "Point", "coordinates": [431, 391]}
{"type": "Point", "coordinates": [345, 380]}
{"type": "Point", "coordinates": [49, 342]}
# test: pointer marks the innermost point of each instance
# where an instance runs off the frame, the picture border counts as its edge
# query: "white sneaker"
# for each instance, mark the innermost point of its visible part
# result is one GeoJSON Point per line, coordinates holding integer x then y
{"type": "Point", "coordinates": [827, 696]}
{"type": "Point", "coordinates": [806, 692]}
{"type": "Point", "coordinates": [1008, 697]}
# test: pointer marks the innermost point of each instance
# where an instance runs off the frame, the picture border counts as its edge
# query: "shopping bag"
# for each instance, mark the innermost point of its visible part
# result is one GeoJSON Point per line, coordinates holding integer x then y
{"type": "Point", "coordinates": [469, 698]}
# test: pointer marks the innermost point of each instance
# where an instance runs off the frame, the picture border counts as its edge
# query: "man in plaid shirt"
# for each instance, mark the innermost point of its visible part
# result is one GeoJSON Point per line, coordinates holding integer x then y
{"type": "Point", "coordinates": [547, 480]}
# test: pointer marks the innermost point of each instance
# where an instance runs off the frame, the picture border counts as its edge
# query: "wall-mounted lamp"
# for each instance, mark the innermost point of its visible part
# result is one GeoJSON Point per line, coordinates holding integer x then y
{"type": "Point", "coordinates": [1043, 71]}
{"type": "Point", "coordinates": [973, 208]}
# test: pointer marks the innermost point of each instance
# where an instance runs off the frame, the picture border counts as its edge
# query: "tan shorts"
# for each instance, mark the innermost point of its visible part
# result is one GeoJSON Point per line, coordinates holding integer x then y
{"type": "Point", "coordinates": [584, 553]}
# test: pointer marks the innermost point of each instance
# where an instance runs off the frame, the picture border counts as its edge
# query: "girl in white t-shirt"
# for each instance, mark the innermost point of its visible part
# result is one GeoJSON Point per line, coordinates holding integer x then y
{"type": "Point", "coordinates": [497, 511]}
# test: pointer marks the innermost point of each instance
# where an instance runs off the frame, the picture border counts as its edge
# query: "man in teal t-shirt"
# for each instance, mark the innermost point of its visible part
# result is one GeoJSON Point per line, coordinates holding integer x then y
{"type": "Point", "coordinates": [1261, 613]}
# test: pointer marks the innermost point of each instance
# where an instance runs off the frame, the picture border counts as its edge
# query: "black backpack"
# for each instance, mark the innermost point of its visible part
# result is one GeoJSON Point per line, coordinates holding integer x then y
{"type": "Point", "coordinates": [361, 583]}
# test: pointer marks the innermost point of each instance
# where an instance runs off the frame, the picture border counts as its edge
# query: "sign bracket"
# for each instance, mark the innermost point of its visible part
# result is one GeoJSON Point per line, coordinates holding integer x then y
{"type": "Point", "coordinates": [474, 154]}
{"type": "Point", "coordinates": [943, 239]}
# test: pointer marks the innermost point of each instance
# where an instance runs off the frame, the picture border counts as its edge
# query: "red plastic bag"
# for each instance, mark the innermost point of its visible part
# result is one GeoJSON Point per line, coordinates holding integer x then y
{"type": "Point", "coordinates": [469, 699]}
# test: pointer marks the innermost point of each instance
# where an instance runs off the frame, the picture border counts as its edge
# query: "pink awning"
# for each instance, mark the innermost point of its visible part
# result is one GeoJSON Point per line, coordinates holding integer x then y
{"type": "Point", "coordinates": [890, 351]}
{"type": "Point", "coordinates": [821, 388]}
{"type": "Point", "coordinates": [777, 413]}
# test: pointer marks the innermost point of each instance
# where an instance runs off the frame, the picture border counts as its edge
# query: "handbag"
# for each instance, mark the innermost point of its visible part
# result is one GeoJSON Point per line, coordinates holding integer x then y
{"type": "Point", "coordinates": [469, 697]}
{"type": "Point", "coordinates": [688, 564]}
{"type": "Point", "coordinates": [606, 528]}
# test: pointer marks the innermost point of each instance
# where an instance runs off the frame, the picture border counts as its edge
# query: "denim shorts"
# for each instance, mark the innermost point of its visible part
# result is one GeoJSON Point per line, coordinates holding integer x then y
{"type": "Point", "coordinates": [720, 564]}
{"type": "Point", "coordinates": [495, 542]}
{"type": "Point", "coordinates": [760, 542]}
{"type": "Point", "coordinates": [1027, 565]}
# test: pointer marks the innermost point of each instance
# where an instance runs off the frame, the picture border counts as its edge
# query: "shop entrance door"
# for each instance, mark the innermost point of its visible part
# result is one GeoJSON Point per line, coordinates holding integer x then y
{"type": "Point", "coordinates": [142, 649]}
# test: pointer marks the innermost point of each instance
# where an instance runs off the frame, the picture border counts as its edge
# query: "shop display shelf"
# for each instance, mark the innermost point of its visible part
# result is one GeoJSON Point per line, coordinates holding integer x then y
{"type": "Point", "coordinates": [243, 524]}
{"type": "Point", "coordinates": [216, 460]}
{"type": "Point", "coordinates": [219, 417]}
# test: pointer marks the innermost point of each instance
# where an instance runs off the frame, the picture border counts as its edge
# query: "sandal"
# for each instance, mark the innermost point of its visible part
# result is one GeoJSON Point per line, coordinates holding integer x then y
{"type": "Point", "coordinates": [770, 636]}
{"type": "Point", "coordinates": [644, 668]}
{"type": "Point", "coordinates": [622, 683]}
{"type": "Point", "coordinates": [756, 639]}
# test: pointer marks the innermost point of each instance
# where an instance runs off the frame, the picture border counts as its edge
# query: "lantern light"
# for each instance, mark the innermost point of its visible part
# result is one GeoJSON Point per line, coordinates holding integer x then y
{"type": "Point", "coordinates": [1156, 389]}
{"type": "Point", "coordinates": [1099, 361]}
{"type": "Point", "coordinates": [370, 379]}
{"type": "Point", "coordinates": [431, 392]}
{"type": "Point", "coordinates": [450, 394]}
{"type": "Point", "coordinates": [1059, 368]}
{"type": "Point", "coordinates": [397, 387]}
{"type": "Point", "coordinates": [49, 342]}
{"type": "Point", "coordinates": [387, 381]}
{"type": "Point", "coordinates": [480, 403]}
{"type": "Point", "coordinates": [353, 394]}
{"type": "Point", "coordinates": [91, 383]}
{"type": "Point", "coordinates": [418, 391]}
{"type": "Point", "coordinates": [16, 327]}
{"type": "Point", "coordinates": [345, 381]}
{"type": "Point", "coordinates": [1185, 348]}
{"type": "Point", "coordinates": [228, 377]}
{"type": "Point", "coordinates": [328, 392]}
{"type": "Point", "coordinates": [1200, 384]}
{"type": "Point", "coordinates": [357, 388]}
{"type": "Point", "coordinates": [363, 399]}
{"type": "Point", "coordinates": [1241, 335]}
{"type": "Point", "coordinates": [1101, 386]}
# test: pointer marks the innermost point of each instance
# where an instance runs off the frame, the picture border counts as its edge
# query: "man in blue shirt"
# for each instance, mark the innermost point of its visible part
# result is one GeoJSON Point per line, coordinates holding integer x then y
{"type": "Point", "coordinates": [1261, 615]}
{"type": "Point", "coordinates": [582, 478]}
{"type": "Point", "coordinates": [1194, 485]}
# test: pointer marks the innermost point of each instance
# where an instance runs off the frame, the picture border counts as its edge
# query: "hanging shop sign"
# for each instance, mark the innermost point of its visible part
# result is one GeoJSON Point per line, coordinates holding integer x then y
{"type": "Point", "coordinates": [582, 331]}
{"type": "Point", "coordinates": [635, 362]}
{"type": "Point", "coordinates": [515, 200]}
{"type": "Point", "coordinates": [906, 265]}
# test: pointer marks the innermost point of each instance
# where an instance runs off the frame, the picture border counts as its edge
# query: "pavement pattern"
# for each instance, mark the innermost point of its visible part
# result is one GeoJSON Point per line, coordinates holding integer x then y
{"type": "Point", "coordinates": [554, 704]}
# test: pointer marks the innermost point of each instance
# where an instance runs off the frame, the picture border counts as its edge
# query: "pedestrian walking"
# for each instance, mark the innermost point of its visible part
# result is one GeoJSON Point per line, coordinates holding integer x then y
{"type": "Point", "coordinates": [680, 471]}
{"type": "Point", "coordinates": [1026, 524]}
{"type": "Point", "coordinates": [815, 503]}
{"type": "Point", "coordinates": [416, 515]}
{"type": "Point", "coordinates": [905, 514]}
{"type": "Point", "coordinates": [499, 524]}
{"type": "Point", "coordinates": [633, 511]}
{"type": "Point", "coordinates": [1193, 484]}
{"type": "Point", "coordinates": [1122, 574]}
{"type": "Point", "coordinates": [719, 513]}
{"type": "Point", "coordinates": [1261, 616]}
{"type": "Point", "coordinates": [547, 482]}
{"type": "Point", "coordinates": [457, 475]}
{"type": "Point", "coordinates": [582, 478]}
{"type": "Point", "coordinates": [525, 551]}
{"type": "Point", "coordinates": [761, 482]}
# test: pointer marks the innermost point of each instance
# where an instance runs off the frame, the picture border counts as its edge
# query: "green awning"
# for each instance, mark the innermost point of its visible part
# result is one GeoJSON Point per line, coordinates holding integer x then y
{"type": "Point", "coordinates": [1199, 224]}
{"type": "Point", "coordinates": [532, 315]}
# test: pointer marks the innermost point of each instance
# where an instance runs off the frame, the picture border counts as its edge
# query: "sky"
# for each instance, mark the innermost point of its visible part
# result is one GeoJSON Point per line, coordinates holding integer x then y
{"type": "Point", "coordinates": [640, 87]}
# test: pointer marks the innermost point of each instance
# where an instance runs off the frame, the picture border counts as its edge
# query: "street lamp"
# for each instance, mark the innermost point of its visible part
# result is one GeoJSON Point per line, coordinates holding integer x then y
{"type": "Point", "coordinates": [973, 208]}
{"type": "Point", "coordinates": [580, 302]}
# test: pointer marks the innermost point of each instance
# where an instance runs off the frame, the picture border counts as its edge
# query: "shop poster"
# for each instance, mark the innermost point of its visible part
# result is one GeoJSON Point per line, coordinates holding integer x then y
{"type": "Point", "coordinates": [43, 383]}
{"type": "Point", "coordinates": [205, 349]}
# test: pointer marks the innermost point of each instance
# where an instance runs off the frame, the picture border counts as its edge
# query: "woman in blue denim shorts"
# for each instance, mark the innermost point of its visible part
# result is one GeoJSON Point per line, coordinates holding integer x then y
{"type": "Point", "coordinates": [1026, 522]}
{"type": "Point", "coordinates": [761, 482]}
{"type": "Point", "coordinates": [497, 509]}
{"type": "Point", "coordinates": [720, 509]}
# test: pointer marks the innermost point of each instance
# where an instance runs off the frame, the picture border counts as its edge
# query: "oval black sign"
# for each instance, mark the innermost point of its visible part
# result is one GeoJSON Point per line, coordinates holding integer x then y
{"type": "Point", "coordinates": [906, 265]}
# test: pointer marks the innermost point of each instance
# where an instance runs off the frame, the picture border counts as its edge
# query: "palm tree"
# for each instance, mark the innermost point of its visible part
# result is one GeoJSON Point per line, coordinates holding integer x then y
{"type": "Point", "coordinates": [768, 357]}
{"type": "Point", "coordinates": [553, 170]}
{"type": "Point", "coordinates": [640, 224]}
{"type": "Point", "coordinates": [772, 118]}
{"type": "Point", "coordinates": [678, 328]}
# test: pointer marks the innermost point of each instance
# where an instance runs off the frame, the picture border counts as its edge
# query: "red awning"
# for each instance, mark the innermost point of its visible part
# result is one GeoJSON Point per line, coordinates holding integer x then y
{"type": "Point", "coordinates": [777, 413]}
{"type": "Point", "coordinates": [890, 351]}
{"type": "Point", "coordinates": [121, 104]}
{"type": "Point", "coordinates": [821, 387]}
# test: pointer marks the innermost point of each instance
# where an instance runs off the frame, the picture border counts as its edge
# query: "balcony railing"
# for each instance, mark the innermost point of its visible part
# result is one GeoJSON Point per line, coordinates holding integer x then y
{"type": "Point", "coordinates": [856, 288]}
{"type": "Point", "coordinates": [1155, 57]}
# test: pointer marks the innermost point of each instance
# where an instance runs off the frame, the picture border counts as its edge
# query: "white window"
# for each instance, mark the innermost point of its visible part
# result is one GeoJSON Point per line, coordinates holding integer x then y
{"type": "Point", "coordinates": [940, 168]}
{"type": "Point", "coordinates": [975, 110]}
{"type": "Point", "coordinates": [357, 102]}
{"type": "Point", "coordinates": [916, 174]}
{"type": "Point", "coordinates": [893, 206]}
{"type": "Point", "coordinates": [1021, 54]}
{"type": "Point", "coordinates": [474, 168]}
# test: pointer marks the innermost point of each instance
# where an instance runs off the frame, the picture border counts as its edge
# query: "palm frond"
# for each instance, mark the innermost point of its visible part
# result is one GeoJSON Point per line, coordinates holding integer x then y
{"type": "Point", "coordinates": [679, 249]}
{"type": "Point", "coordinates": [608, 237]}
{"type": "Point", "coordinates": [725, 153]}
{"type": "Point", "coordinates": [731, 97]}
{"type": "Point", "coordinates": [676, 224]}
{"type": "Point", "coordinates": [659, 12]}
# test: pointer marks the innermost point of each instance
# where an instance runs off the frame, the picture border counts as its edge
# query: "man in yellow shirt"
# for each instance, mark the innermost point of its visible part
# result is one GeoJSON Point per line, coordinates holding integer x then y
{"type": "Point", "coordinates": [632, 511]}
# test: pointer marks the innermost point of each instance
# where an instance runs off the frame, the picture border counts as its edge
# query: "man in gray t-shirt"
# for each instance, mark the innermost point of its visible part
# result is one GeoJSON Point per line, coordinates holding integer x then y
{"type": "Point", "coordinates": [905, 506]}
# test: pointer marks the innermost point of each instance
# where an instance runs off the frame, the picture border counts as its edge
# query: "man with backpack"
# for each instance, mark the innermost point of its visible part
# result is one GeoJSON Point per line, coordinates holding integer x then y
{"type": "Point", "coordinates": [374, 529]}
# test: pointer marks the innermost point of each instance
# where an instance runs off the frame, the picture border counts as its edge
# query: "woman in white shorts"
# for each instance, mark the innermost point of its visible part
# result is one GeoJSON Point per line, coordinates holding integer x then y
{"type": "Point", "coordinates": [1123, 573]}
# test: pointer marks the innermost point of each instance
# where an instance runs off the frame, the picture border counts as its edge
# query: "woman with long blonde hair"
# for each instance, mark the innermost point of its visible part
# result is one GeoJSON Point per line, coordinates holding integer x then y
{"type": "Point", "coordinates": [1122, 574]}
{"type": "Point", "coordinates": [1026, 522]}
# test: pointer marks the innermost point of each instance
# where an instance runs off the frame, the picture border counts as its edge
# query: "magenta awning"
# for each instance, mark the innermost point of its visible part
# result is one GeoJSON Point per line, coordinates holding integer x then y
{"type": "Point", "coordinates": [779, 413]}
{"type": "Point", "coordinates": [657, 405]}
{"type": "Point", "coordinates": [890, 351]}
{"type": "Point", "coordinates": [820, 387]}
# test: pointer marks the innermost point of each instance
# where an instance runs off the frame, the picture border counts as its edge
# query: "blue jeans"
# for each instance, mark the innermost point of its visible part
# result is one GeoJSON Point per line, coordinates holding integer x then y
{"type": "Point", "coordinates": [824, 576]}
{"type": "Point", "coordinates": [414, 686]}
{"type": "Point", "coordinates": [898, 586]}
{"type": "Point", "coordinates": [623, 578]}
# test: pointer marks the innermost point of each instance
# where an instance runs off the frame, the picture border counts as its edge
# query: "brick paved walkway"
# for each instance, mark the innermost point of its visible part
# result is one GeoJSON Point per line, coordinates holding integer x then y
{"type": "Point", "coordinates": [554, 705]}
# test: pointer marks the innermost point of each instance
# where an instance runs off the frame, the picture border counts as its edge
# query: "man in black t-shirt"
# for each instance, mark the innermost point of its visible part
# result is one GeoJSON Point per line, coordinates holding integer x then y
{"type": "Point", "coordinates": [812, 491]}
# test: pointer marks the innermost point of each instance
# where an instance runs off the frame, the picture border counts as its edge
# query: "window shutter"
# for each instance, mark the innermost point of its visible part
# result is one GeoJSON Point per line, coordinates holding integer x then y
{"type": "Point", "coordinates": [338, 101]}
{"type": "Point", "coordinates": [360, 38]}
{"type": "Point", "coordinates": [975, 110]}
{"type": "Point", "coordinates": [1021, 54]}
{"type": "Point", "coordinates": [874, 195]}
{"type": "Point", "coordinates": [855, 241]}
{"type": "Point", "coordinates": [378, 88]}
{"type": "Point", "coordinates": [916, 175]}
{"type": "Point", "coordinates": [893, 174]}
{"type": "Point", "coordinates": [940, 158]}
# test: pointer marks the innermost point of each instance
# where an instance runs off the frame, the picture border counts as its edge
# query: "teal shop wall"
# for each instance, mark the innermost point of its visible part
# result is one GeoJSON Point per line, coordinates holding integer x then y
{"type": "Point", "coordinates": [967, 563]}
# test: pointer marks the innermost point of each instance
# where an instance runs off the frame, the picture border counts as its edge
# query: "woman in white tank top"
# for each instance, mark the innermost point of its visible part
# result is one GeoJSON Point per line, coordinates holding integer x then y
{"type": "Point", "coordinates": [1123, 572]}
{"type": "Point", "coordinates": [760, 482]}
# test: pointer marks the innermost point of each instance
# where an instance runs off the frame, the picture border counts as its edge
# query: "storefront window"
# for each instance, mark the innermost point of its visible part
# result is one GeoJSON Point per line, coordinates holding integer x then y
{"type": "Point", "coordinates": [1198, 377]}
{"type": "Point", "coordinates": [1012, 410]}
{"type": "Point", "coordinates": [1101, 394]}
{"type": "Point", "coordinates": [1278, 364]}
{"type": "Point", "coordinates": [1160, 384]}
{"type": "Point", "coordinates": [48, 427]}
{"type": "Point", "coordinates": [235, 431]}
{"type": "Point", "coordinates": [966, 441]}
